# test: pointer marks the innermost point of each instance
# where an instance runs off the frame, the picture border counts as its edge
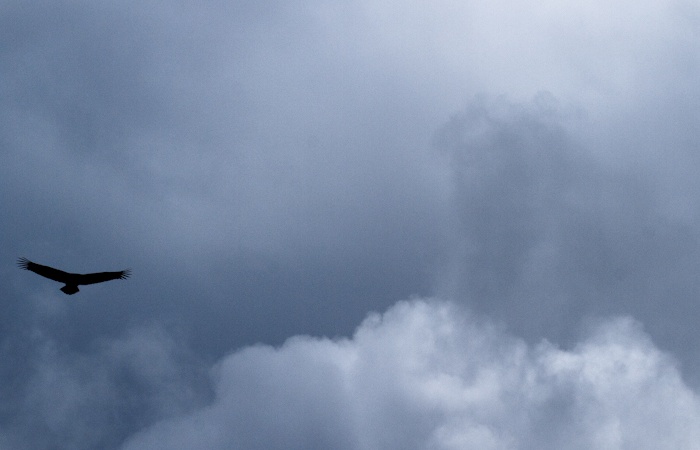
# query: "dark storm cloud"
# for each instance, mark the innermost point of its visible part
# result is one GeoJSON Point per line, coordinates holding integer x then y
{"type": "Point", "coordinates": [142, 136]}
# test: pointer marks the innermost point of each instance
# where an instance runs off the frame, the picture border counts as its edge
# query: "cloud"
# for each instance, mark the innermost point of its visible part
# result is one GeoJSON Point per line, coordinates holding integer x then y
{"type": "Point", "coordinates": [222, 152]}
{"type": "Point", "coordinates": [281, 157]}
{"type": "Point", "coordinates": [426, 374]}
{"type": "Point", "coordinates": [267, 171]}
{"type": "Point", "coordinates": [549, 231]}
{"type": "Point", "coordinates": [93, 399]}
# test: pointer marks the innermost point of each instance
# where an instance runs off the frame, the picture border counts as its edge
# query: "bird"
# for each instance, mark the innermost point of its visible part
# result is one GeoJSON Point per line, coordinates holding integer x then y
{"type": "Point", "coordinates": [71, 280]}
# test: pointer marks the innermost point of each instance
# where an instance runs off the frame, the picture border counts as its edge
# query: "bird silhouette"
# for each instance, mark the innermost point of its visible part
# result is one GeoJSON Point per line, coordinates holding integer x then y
{"type": "Point", "coordinates": [71, 280]}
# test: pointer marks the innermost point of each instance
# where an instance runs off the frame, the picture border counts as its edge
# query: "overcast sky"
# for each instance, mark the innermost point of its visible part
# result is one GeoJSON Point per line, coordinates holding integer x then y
{"type": "Point", "coordinates": [351, 225]}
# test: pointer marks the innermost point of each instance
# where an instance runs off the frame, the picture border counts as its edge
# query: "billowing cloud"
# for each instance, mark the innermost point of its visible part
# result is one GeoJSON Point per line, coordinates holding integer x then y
{"type": "Point", "coordinates": [425, 374]}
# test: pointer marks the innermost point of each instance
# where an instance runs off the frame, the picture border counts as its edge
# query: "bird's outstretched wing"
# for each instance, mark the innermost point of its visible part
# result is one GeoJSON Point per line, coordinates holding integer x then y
{"type": "Point", "coordinates": [45, 271]}
{"type": "Point", "coordinates": [99, 277]}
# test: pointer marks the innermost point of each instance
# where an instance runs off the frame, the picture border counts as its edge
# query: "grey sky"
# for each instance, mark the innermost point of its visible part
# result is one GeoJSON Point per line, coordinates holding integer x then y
{"type": "Point", "coordinates": [279, 176]}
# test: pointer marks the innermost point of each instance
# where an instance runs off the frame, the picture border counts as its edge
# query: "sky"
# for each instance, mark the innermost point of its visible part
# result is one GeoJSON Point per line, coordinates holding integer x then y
{"type": "Point", "coordinates": [351, 225]}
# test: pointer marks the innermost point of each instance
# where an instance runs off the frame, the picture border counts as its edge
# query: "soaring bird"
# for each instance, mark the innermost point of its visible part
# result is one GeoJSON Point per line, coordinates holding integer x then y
{"type": "Point", "coordinates": [71, 280]}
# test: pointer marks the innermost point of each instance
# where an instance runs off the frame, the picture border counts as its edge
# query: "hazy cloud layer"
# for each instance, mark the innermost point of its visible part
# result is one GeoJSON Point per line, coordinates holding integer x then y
{"type": "Point", "coordinates": [427, 375]}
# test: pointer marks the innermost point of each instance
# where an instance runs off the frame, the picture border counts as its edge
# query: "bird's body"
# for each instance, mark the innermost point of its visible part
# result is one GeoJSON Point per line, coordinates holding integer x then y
{"type": "Point", "coordinates": [71, 280]}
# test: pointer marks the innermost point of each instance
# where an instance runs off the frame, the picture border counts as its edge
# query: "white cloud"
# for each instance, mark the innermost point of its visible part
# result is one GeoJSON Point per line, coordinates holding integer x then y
{"type": "Point", "coordinates": [428, 375]}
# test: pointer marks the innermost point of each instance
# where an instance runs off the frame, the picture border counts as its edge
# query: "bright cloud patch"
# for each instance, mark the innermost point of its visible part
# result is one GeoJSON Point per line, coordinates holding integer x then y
{"type": "Point", "coordinates": [427, 375]}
